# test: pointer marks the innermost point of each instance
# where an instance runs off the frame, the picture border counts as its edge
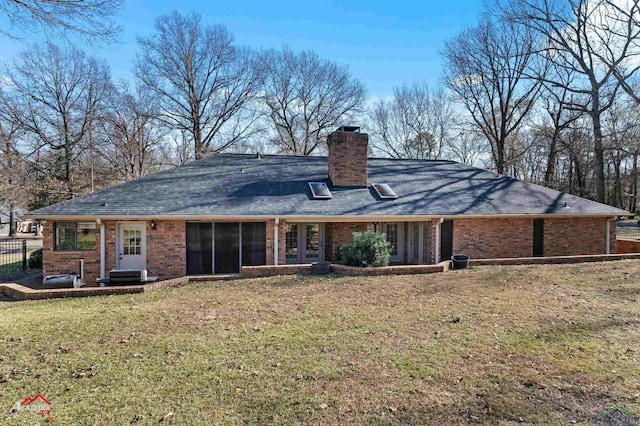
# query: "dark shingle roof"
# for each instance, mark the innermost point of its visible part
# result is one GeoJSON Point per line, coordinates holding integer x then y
{"type": "Point", "coordinates": [242, 185]}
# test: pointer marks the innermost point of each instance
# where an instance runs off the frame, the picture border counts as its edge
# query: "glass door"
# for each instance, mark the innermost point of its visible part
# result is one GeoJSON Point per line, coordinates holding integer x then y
{"type": "Point", "coordinates": [291, 243]}
{"type": "Point", "coordinates": [313, 238]}
{"type": "Point", "coordinates": [199, 248]}
{"type": "Point", "coordinates": [304, 242]}
{"type": "Point", "coordinates": [395, 236]}
{"type": "Point", "coordinates": [226, 248]}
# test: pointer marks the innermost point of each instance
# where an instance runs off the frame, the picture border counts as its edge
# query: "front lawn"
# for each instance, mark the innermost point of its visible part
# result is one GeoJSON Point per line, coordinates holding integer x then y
{"type": "Point", "coordinates": [532, 344]}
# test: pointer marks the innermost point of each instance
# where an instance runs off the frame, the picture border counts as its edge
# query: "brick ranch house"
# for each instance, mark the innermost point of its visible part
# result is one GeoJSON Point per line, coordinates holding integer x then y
{"type": "Point", "coordinates": [218, 214]}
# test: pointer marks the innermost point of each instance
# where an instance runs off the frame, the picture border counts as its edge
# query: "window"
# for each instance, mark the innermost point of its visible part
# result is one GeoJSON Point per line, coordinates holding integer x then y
{"type": "Point", "coordinates": [320, 190]}
{"type": "Point", "coordinates": [384, 191]}
{"type": "Point", "coordinates": [75, 236]}
{"type": "Point", "coordinates": [132, 241]}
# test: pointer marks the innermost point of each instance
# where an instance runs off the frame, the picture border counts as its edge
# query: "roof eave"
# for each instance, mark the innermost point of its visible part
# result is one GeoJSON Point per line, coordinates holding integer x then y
{"type": "Point", "coordinates": [317, 218]}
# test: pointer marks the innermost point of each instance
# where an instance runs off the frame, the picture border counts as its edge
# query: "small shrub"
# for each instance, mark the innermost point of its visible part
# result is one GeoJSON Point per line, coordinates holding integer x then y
{"type": "Point", "coordinates": [368, 249]}
{"type": "Point", "coordinates": [35, 259]}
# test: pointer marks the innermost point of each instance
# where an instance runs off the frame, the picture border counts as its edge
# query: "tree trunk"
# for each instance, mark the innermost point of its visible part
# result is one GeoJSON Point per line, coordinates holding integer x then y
{"type": "Point", "coordinates": [634, 184]}
{"type": "Point", "coordinates": [551, 158]}
{"type": "Point", "coordinates": [12, 221]}
{"type": "Point", "coordinates": [617, 185]}
{"type": "Point", "coordinates": [599, 153]}
{"type": "Point", "coordinates": [500, 159]}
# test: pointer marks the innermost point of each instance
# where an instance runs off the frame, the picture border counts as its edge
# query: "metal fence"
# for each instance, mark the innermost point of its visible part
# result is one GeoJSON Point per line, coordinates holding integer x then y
{"type": "Point", "coordinates": [13, 257]}
{"type": "Point", "coordinates": [628, 230]}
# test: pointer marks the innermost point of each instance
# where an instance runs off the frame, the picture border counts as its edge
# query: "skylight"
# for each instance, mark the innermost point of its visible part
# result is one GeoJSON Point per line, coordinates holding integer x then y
{"type": "Point", "coordinates": [384, 191]}
{"type": "Point", "coordinates": [320, 190]}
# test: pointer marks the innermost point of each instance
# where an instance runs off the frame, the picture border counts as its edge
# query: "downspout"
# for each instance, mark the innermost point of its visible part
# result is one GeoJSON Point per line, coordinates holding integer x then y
{"type": "Point", "coordinates": [437, 248]}
{"type": "Point", "coordinates": [275, 242]}
{"type": "Point", "coordinates": [103, 250]}
{"type": "Point", "coordinates": [609, 234]}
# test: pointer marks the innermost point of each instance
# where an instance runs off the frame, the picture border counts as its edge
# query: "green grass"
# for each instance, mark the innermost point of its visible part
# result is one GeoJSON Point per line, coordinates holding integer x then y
{"type": "Point", "coordinates": [539, 344]}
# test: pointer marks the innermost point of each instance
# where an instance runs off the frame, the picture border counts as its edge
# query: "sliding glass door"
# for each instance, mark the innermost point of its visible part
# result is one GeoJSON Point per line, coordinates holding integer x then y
{"type": "Point", "coordinates": [226, 247]}
{"type": "Point", "coordinates": [223, 247]}
{"type": "Point", "coordinates": [199, 248]}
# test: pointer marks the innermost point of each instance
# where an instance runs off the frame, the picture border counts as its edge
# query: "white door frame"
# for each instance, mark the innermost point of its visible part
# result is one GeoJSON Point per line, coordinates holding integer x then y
{"type": "Point", "coordinates": [399, 257]}
{"type": "Point", "coordinates": [119, 242]}
{"type": "Point", "coordinates": [422, 242]}
{"type": "Point", "coordinates": [301, 240]}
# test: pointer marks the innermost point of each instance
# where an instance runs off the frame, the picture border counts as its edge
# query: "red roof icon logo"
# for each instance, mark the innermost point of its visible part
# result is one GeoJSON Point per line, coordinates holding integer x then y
{"type": "Point", "coordinates": [29, 401]}
{"type": "Point", "coordinates": [38, 403]}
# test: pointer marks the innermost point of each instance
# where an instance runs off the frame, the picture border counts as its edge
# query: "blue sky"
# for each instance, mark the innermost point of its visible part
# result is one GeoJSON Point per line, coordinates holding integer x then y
{"type": "Point", "coordinates": [384, 43]}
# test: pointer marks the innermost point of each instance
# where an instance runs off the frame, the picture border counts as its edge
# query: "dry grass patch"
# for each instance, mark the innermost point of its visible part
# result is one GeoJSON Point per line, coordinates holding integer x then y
{"type": "Point", "coordinates": [533, 344]}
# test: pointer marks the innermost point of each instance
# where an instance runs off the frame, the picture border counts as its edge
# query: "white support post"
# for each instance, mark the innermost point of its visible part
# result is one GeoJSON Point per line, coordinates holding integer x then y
{"type": "Point", "coordinates": [103, 250]}
{"type": "Point", "coordinates": [437, 245]}
{"type": "Point", "coordinates": [275, 241]}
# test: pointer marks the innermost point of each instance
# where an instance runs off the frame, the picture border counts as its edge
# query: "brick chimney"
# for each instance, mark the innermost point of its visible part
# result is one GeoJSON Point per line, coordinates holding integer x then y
{"type": "Point", "coordinates": [348, 149]}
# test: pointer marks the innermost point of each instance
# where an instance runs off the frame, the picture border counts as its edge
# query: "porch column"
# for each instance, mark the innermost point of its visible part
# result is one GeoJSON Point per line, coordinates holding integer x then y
{"type": "Point", "coordinates": [437, 244]}
{"type": "Point", "coordinates": [103, 244]}
{"type": "Point", "coordinates": [275, 241]}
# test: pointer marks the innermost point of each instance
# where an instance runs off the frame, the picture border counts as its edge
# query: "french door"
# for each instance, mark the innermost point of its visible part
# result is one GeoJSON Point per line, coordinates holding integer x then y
{"type": "Point", "coordinates": [304, 242]}
{"type": "Point", "coordinates": [418, 251]}
{"type": "Point", "coordinates": [395, 236]}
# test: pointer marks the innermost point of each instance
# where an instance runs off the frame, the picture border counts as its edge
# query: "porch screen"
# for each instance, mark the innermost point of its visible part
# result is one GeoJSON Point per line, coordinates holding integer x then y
{"type": "Point", "coordinates": [254, 243]}
{"type": "Point", "coordinates": [199, 248]}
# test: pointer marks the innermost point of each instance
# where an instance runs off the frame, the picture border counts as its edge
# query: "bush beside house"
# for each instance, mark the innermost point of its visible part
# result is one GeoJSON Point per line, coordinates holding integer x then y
{"type": "Point", "coordinates": [369, 249]}
{"type": "Point", "coordinates": [35, 259]}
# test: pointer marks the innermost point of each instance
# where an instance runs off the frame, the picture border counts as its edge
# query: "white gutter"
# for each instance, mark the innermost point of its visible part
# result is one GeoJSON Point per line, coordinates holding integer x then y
{"type": "Point", "coordinates": [609, 234]}
{"type": "Point", "coordinates": [437, 249]}
{"type": "Point", "coordinates": [310, 218]}
{"type": "Point", "coordinates": [103, 250]}
{"type": "Point", "coordinates": [275, 242]}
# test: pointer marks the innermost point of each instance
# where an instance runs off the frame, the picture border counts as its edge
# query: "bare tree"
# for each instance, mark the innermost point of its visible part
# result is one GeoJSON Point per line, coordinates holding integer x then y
{"type": "Point", "coordinates": [306, 98]}
{"type": "Point", "coordinates": [467, 146]}
{"type": "Point", "coordinates": [487, 66]}
{"type": "Point", "coordinates": [202, 82]}
{"type": "Point", "coordinates": [54, 95]}
{"type": "Point", "coordinates": [132, 133]}
{"type": "Point", "coordinates": [12, 170]}
{"type": "Point", "coordinates": [89, 19]}
{"type": "Point", "coordinates": [415, 123]}
{"type": "Point", "coordinates": [593, 39]}
{"type": "Point", "coordinates": [556, 116]}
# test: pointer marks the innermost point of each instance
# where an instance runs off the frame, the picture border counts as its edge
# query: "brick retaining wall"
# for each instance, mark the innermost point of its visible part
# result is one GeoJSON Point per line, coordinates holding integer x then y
{"type": "Point", "coordinates": [627, 246]}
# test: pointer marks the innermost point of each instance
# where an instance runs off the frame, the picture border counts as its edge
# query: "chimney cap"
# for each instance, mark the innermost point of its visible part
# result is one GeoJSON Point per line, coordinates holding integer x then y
{"type": "Point", "coordinates": [349, 129]}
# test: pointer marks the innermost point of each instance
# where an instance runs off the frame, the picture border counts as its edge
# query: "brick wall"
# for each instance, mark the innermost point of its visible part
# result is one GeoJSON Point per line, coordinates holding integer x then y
{"type": "Point", "coordinates": [478, 238]}
{"type": "Point", "coordinates": [341, 233]}
{"type": "Point", "coordinates": [627, 246]}
{"type": "Point", "coordinates": [575, 236]}
{"type": "Point", "coordinates": [488, 238]}
{"type": "Point", "coordinates": [167, 249]}
{"type": "Point", "coordinates": [504, 238]}
{"type": "Point", "coordinates": [348, 158]}
{"type": "Point", "coordinates": [64, 262]}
